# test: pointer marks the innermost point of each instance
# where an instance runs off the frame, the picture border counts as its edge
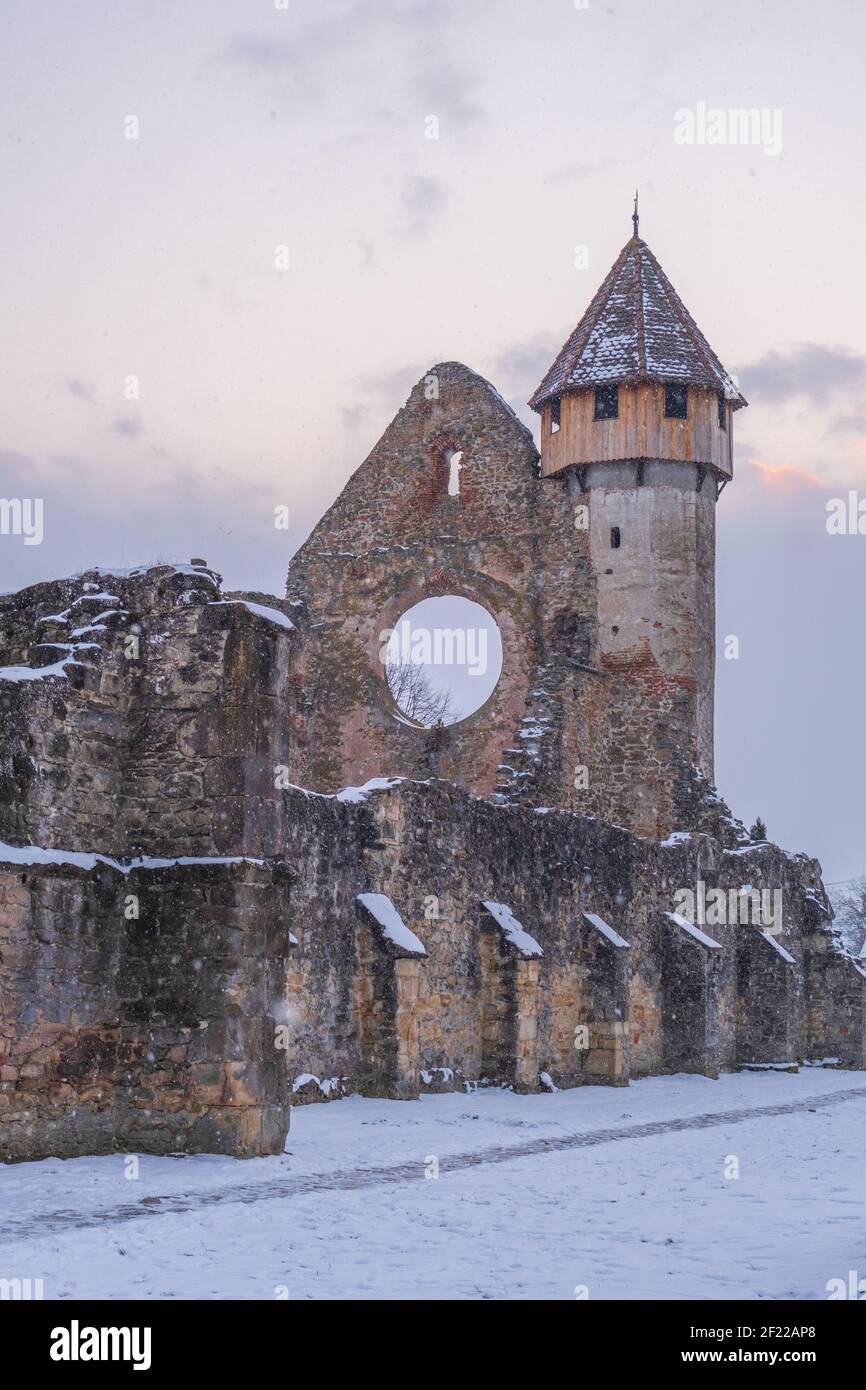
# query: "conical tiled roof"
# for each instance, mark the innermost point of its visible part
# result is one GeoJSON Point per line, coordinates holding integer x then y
{"type": "Point", "coordinates": [636, 329]}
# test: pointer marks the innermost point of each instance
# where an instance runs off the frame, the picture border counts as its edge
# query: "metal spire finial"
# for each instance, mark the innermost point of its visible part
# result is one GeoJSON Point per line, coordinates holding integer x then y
{"type": "Point", "coordinates": [635, 217]}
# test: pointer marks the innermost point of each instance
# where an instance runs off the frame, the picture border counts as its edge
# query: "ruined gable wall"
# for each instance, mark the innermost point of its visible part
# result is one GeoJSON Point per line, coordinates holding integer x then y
{"type": "Point", "coordinates": [393, 537]}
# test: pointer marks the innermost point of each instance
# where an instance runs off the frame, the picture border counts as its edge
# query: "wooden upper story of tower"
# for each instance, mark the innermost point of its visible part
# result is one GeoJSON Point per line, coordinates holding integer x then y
{"type": "Point", "coordinates": [636, 379]}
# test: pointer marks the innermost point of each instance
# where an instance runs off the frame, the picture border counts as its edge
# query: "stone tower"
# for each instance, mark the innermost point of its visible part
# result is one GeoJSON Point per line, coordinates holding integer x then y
{"type": "Point", "coordinates": [637, 418]}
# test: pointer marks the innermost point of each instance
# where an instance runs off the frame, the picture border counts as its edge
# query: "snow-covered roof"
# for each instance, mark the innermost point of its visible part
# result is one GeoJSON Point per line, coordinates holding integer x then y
{"type": "Point", "coordinates": [601, 926]}
{"type": "Point", "coordinates": [636, 329]}
{"type": "Point", "coordinates": [777, 946]}
{"type": "Point", "coordinates": [693, 931]}
{"type": "Point", "coordinates": [526, 945]}
{"type": "Point", "coordinates": [394, 929]}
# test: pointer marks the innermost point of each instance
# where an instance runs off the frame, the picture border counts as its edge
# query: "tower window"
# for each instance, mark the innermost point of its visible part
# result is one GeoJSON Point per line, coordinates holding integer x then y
{"type": "Point", "coordinates": [555, 405]}
{"type": "Point", "coordinates": [676, 402]}
{"type": "Point", "coordinates": [606, 402]}
{"type": "Point", "coordinates": [615, 538]}
{"type": "Point", "coordinates": [723, 411]}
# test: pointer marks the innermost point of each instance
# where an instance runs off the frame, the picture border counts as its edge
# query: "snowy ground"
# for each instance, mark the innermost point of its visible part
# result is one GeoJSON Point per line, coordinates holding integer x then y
{"type": "Point", "coordinates": [627, 1193]}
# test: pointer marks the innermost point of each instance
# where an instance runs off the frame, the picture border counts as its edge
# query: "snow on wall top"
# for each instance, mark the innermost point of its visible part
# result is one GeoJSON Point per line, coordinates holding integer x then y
{"type": "Point", "coordinates": [383, 911]}
{"type": "Point", "coordinates": [78, 859]}
{"type": "Point", "coordinates": [693, 931]}
{"type": "Point", "coordinates": [636, 329]}
{"type": "Point", "coordinates": [271, 615]}
{"type": "Point", "coordinates": [135, 572]}
{"type": "Point", "coordinates": [777, 946]}
{"type": "Point", "coordinates": [17, 674]}
{"type": "Point", "coordinates": [353, 794]}
{"type": "Point", "coordinates": [601, 925]}
{"type": "Point", "coordinates": [513, 932]}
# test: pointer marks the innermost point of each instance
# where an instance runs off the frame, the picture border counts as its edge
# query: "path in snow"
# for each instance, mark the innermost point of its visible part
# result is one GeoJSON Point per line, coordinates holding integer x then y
{"type": "Point", "coordinates": [352, 1179]}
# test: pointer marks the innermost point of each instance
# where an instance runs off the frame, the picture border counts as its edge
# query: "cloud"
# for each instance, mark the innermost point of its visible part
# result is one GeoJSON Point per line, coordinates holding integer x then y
{"type": "Point", "coordinates": [126, 426]}
{"type": "Point", "coordinates": [411, 39]}
{"type": "Point", "coordinates": [89, 520]}
{"type": "Point", "coordinates": [784, 477]}
{"type": "Point", "coordinates": [299, 65]}
{"type": "Point", "coordinates": [79, 389]}
{"type": "Point", "coordinates": [423, 198]}
{"type": "Point", "coordinates": [289, 66]}
{"type": "Point", "coordinates": [810, 370]}
{"type": "Point", "coordinates": [848, 424]}
{"type": "Point", "coordinates": [391, 386]}
{"type": "Point", "coordinates": [581, 170]}
{"type": "Point", "coordinates": [519, 367]}
{"type": "Point", "coordinates": [374, 398]}
{"type": "Point", "coordinates": [354, 416]}
{"type": "Point", "coordinates": [254, 51]}
{"type": "Point", "coordinates": [442, 87]}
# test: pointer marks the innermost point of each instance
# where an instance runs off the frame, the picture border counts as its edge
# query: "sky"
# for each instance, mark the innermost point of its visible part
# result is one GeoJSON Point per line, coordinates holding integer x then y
{"type": "Point", "coordinates": [238, 231]}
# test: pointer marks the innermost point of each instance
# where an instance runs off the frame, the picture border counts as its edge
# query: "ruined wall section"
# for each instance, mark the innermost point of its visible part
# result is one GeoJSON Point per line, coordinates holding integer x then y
{"type": "Point", "coordinates": [60, 720]}
{"type": "Point", "coordinates": [143, 713]}
{"type": "Point", "coordinates": [437, 852]}
{"type": "Point", "coordinates": [148, 1033]}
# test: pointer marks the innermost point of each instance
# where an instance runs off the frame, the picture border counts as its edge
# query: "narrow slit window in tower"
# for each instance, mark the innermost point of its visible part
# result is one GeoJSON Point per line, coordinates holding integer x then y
{"type": "Point", "coordinates": [676, 402]}
{"type": "Point", "coordinates": [615, 538]}
{"type": "Point", "coordinates": [607, 402]}
{"type": "Point", "coordinates": [555, 414]}
{"type": "Point", "coordinates": [723, 411]}
{"type": "Point", "coordinates": [455, 463]}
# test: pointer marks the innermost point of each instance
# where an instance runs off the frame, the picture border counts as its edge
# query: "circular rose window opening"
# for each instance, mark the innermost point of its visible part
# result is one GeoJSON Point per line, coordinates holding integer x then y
{"type": "Point", "coordinates": [442, 660]}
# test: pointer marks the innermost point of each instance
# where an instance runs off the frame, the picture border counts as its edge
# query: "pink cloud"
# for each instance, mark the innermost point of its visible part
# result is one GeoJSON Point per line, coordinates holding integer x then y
{"type": "Point", "coordinates": [784, 477]}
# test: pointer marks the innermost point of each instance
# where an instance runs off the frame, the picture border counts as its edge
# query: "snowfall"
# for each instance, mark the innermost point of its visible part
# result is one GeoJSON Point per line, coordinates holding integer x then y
{"type": "Point", "coordinates": [679, 1187]}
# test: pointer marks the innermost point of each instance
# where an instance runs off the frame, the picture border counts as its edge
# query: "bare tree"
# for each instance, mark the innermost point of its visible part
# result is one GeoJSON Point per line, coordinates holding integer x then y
{"type": "Point", "coordinates": [851, 914]}
{"type": "Point", "coordinates": [416, 695]}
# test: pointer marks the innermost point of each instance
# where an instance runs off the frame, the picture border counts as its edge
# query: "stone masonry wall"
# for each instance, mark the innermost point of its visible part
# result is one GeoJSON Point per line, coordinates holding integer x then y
{"type": "Point", "coordinates": [152, 1032]}
{"type": "Point", "coordinates": [436, 852]}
